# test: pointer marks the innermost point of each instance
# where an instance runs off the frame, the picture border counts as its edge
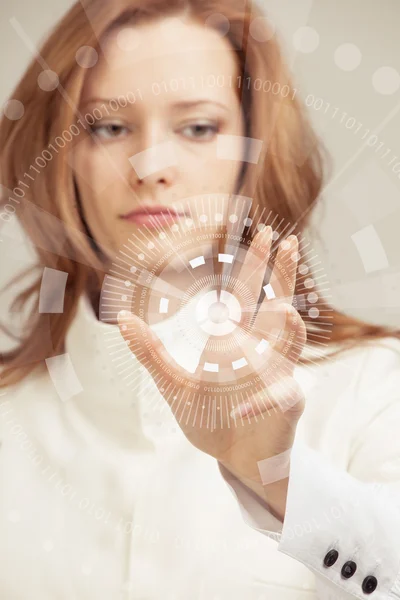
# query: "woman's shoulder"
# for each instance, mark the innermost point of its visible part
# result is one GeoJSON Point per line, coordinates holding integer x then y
{"type": "Point", "coordinates": [377, 359]}
{"type": "Point", "coordinates": [350, 390]}
{"type": "Point", "coordinates": [379, 355]}
{"type": "Point", "coordinates": [375, 374]}
{"type": "Point", "coordinates": [22, 401]}
{"type": "Point", "coordinates": [34, 382]}
{"type": "Point", "coordinates": [367, 373]}
{"type": "Point", "coordinates": [378, 383]}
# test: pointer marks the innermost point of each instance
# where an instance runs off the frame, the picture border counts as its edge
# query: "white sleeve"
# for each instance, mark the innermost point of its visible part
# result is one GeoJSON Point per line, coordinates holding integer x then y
{"type": "Point", "coordinates": [344, 529]}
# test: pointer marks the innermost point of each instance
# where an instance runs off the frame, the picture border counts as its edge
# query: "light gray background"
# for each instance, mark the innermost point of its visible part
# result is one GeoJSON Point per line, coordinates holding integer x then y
{"type": "Point", "coordinates": [363, 191]}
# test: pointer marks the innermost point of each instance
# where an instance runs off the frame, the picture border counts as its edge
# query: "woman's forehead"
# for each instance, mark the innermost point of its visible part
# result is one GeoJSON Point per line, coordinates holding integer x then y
{"type": "Point", "coordinates": [141, 56]}
{"type": "Point", "coordinates": [163, 36]}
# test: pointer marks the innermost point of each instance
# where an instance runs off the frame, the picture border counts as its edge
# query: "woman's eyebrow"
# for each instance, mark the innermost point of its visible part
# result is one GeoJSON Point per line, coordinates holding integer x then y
{"type": "Point", "coordinates": [192, 103]}
{"type": "Point", "coordinates": [176, 105]}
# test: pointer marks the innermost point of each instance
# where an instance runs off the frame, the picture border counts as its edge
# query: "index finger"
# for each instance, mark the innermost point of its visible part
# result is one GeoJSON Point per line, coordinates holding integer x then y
{"type": "Point", "coordinates": [283, 277]}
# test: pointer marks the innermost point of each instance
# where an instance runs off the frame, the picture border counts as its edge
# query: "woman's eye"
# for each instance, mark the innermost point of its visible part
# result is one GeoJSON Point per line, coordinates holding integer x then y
{"type": "Point", "coordinates": [197, 131]}
{"type": "Point", "coordinates": [202, 131]}
{"type": "Point", "coordinates": [109, 131]}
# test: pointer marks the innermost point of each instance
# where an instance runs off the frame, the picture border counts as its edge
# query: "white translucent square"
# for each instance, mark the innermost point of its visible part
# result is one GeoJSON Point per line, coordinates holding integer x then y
{"type": "Point", "coordinates": [212, 367]}
{"type": "Point", "coordinates": [269, 291]}
{"type": "Point", "coordinates": [52, 291]}
{"type": "Point", "coordinates": [262, 346]}
{"type": "Point", "coordinates": [370, 249]}
{"type": "Point", "coordinates": [226, 258]}
{"type": "Point", "coordinates": [63, 376]}
{"type": "Point", "coordinates": [154, 159]}
{"type": "Point", "coordinates": [164, 305]}
{"type": "Point", "coordinates": [228, 148]}
{"type": "Point", "coordinates": [196, 262]}
{"type": "Point", "coordinates": [239, 364]}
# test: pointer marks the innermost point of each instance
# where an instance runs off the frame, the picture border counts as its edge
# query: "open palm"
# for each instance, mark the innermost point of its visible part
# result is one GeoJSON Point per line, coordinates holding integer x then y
{"type": "Point", "coordinates": [258, 420]}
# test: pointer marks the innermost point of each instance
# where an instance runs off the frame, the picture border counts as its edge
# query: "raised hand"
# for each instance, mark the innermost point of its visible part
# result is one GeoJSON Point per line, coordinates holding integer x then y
{"type": "Point", "coordinates": [258, 420]}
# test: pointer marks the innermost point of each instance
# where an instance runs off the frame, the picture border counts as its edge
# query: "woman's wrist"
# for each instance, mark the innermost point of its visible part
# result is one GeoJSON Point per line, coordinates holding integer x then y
{"type": "Point", "coordinates": [273, 494]}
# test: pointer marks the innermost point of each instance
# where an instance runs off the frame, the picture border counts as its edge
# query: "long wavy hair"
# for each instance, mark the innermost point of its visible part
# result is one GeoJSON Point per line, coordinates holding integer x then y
{"type": "Point", "coordinates": [286, 181]}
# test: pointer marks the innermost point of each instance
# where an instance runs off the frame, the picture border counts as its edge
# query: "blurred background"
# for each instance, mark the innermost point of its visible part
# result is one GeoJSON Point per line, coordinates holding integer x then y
{"type": "Point", "coordinates": [345, 57]}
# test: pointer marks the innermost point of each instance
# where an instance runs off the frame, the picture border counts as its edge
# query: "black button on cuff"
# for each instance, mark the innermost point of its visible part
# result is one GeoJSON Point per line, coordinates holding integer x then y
{"type": "Point", "coordinates": [348, 569]}
{"type": "Point", "coordinates": [369, 584]}
{"type": "Point", "coordinates": [331, 558]}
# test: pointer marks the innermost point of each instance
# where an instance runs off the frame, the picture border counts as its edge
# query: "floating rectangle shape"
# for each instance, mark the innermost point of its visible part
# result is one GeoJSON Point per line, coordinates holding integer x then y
{"type": "Point", "coordinates": [238, 364]}
{"type": "Point", "coordinates": [196, 262]}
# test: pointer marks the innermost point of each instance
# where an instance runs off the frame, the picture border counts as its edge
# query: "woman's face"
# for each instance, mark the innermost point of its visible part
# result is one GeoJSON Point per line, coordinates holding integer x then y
{"type": "Point", "coordinates": [179, 83]}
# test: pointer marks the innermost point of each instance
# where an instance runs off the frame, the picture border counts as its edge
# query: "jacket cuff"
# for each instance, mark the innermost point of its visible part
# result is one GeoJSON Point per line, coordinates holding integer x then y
{"type": "Point", "coordinates": [336, 525]}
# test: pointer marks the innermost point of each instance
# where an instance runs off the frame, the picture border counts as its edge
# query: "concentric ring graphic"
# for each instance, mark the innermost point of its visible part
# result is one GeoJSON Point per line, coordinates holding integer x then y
{"type": "Point", "coordinates": [194, 285]}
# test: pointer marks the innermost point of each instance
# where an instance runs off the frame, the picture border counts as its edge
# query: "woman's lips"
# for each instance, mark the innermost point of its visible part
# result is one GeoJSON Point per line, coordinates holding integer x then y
{"type": "Point", "coordinates": [153, 217]}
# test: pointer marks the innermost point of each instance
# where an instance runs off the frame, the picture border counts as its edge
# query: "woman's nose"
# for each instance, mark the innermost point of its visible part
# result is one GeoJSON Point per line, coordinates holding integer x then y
{"type": "Point", "coordinates": [155, 164]}
{"type": "Point", "coordinates": [155, 158]}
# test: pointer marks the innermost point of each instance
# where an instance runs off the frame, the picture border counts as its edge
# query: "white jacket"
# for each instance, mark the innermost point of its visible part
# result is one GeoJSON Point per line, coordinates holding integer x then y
{"type": "Point", "coordinates": [103, 497]}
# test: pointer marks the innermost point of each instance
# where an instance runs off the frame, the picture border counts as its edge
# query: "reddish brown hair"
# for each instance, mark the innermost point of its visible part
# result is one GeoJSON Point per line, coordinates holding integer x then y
{"type": "Point", "coordinates": [286, 182]}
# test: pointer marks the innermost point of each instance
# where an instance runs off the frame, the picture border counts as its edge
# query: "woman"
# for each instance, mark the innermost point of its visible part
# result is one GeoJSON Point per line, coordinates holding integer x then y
{"type": "Point", "coordinates": [119, 452]}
